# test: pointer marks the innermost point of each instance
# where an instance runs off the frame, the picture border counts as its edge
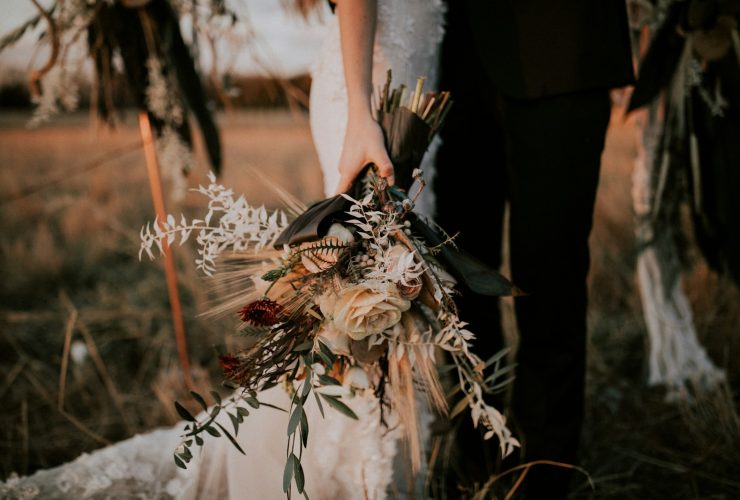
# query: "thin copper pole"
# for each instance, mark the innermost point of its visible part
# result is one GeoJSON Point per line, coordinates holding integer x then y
{"type": "Point", "coordinates": [155, 182]}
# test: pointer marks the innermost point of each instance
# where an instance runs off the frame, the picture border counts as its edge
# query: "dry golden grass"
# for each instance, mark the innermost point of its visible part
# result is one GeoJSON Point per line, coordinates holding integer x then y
{"type": "Point", "coordinates": [70, 274]}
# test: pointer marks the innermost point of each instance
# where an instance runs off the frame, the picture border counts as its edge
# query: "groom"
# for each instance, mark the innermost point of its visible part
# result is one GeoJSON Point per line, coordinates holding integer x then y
{"type": "Point", "coordinates": [530, 83]}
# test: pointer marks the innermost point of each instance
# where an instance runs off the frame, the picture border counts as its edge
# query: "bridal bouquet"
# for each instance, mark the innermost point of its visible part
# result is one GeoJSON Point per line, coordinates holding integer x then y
{"type": "Point", "coordinates": [354, 296]}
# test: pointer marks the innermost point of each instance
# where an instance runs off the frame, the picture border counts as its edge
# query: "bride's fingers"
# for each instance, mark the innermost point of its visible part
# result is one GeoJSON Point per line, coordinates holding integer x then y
{"type": "Point", "coordinates": [385, 167]}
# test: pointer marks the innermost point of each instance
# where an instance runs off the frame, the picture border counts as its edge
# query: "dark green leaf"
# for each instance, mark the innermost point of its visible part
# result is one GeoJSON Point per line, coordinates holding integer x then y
{"type": "Point", "coordinates": [230, 384]}
{"type": "Point", "coordinates": [306, 346]}
{"type": "Point", "coordinates": [215, 411]}
{"type": "Point", "coordinates": [327, 361]}
{"type": "Point", "coordinates": [304, 428]}
{"type": "Point", "coordinates": [183, 412]}
{"type": "Point", "coordinates": [305, 389]}
{"type": "Point", "coordinates": [189, 442]}
{"type": "Point", "coordinates": [231, 438]}
{"type": "Point", "coordinates": [252, 401]}
{"type": "Point", "coordinates": [186, 455]}
{"type": "Point", "coordinates": [198, 440]}
{"type": "Point", "coordinates": [243, 412]}
{"type": "Point", "coordinates": [300, 480]}
{"type": "Point", "coordinates": [200, 400]}
{"type": "Point", "coordinates": [273, 406]}
{"type": "Point", "coordinates": [180, 463]}
{"type": "Point", "coordinates": [335, 403]}
{"type": "Point", "coordinates": [327, 380]}
{"type": "Point", "coordinates": [295, 419]}
{"type": "Point", "coordinates": [216, 397]}
{"type": "Point", "coordinates": [235, 422]}
{"type": "Point", "coordinates": [213, 432]}
{"type": "Point", "coordinates": [327, 352]}
{"type": "Point", "coordinates": [287, 473]}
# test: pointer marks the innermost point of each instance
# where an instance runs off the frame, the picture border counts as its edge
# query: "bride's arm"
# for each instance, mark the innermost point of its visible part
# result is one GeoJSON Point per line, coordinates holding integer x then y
{"type": "Point", "coordinates": [363, 141]}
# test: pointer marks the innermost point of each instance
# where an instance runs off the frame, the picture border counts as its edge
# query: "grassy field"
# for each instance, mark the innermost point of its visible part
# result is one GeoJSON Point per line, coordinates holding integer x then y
{"type": "Point", "coordinates": [72, 201]}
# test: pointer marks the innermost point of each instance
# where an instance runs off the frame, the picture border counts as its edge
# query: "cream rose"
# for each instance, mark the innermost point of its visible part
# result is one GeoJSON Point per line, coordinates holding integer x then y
{"type": "Point", "coordinates": [367, 308]}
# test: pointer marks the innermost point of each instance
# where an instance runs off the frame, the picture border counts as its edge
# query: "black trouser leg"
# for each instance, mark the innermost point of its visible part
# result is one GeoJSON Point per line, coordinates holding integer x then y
{"type": "Point", "coordinates": [554, 148]}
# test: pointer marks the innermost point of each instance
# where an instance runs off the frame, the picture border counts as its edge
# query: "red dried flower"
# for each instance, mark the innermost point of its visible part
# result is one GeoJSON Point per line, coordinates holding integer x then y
{"type": "Point", "coordinates": [261, 313]}
{"type": "Point", "coordinates": [229, 364]}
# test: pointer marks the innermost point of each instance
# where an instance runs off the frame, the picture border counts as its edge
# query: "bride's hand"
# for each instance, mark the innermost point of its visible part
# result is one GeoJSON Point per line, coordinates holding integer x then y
{"type": "Point", "coordinates": [363, 144]}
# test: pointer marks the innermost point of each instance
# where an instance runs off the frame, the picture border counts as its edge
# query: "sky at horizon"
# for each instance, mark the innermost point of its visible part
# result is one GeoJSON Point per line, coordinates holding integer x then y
{"type": "Point", "coordinates": [285, 44]}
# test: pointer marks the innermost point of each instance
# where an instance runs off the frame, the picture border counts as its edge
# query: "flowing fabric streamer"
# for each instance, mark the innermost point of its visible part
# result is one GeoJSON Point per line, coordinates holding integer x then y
{"type": "Point", "coordinates": [676, 356]}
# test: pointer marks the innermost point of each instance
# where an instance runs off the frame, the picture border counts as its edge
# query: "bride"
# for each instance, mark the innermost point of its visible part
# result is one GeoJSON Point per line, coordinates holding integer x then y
{"type": "Point", "coordinates": [345, 458]}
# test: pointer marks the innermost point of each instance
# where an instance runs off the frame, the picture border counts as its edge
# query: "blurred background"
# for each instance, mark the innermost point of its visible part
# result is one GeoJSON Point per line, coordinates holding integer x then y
{"type": "Point", "coordinates": [87, 350]}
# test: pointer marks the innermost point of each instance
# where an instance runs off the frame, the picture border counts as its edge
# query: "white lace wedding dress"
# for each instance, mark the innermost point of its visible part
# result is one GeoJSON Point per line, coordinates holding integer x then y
{"type": "Point", "coordinates": [345, 459]}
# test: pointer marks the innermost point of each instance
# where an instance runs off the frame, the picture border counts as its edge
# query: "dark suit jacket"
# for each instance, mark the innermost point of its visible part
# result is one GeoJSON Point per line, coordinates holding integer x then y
{"type": "Point", "coordinates": [537, 48]}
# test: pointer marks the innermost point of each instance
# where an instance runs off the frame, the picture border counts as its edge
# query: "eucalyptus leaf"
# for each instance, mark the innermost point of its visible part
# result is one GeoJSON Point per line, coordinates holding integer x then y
{"type": "Point", "coordinates": [305, 346]}
{"type": "Point", "coordinates": [268, 405]}
{"type": "Point", "coordinates": [180, 463]}
{"type": "Point", "coordinates": [213, 432]}
{"type": "Point", "coordinates": [300, 479]}
{"type": "Point", "coordinates": [326, 359]}
{"type": "Point", "coordinates": [235, 422]}
{"type": "Point", "coordinates": [231, 438]}
{"type": "Point", "coordinates": [328, 380]}
{"type": "Point", "coordinates": [295, 419]}
{"type": "Point", "coordinates": [304, 428]}
{"type": "Point", "coordinates": [185, 414]}
{"type": "Point", "coordinates": [200, 400]}
{"type": "Point", "coordinates": [216, 397]}
{"type": "Point", "coordinates": [335, 403]}
{"type": "Point", "coordinates": [287, 473]}
{"type": "Point", "coordinates": [305, 389]}
{"type": "Point", "coordinates": [327, 352]}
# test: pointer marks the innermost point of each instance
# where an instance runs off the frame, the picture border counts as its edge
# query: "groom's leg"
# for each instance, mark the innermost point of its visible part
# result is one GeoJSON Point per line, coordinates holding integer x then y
{"type": "Point", "coordinates": [554, 146]}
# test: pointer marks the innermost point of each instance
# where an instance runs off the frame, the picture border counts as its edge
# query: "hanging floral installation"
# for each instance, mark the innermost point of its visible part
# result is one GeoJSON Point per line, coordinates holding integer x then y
{"type": "Point", "coordinates": [142, 41]}
{"type": "Point", "coordinates": [689, 80]}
